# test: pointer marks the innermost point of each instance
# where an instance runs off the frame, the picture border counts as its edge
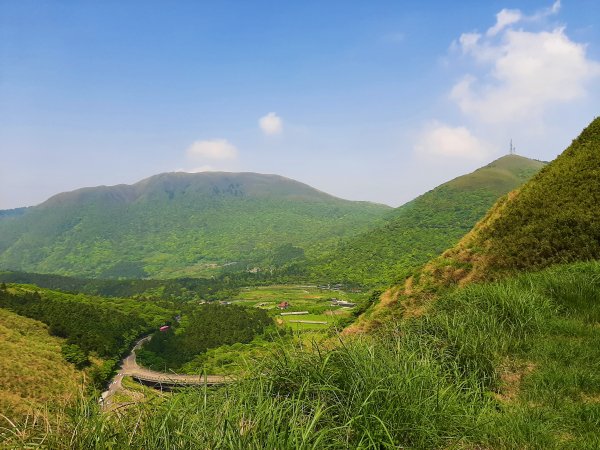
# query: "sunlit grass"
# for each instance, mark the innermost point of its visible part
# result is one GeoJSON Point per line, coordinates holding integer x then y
{"type": "Point", "coordinates": [506, 365]}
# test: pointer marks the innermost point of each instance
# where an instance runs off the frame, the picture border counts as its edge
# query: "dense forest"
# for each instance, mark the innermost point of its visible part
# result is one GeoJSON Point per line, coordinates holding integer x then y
{"type": "Point", "coordinates": [174, 290]}
{"type": "Point", "coordinates": [203, 327]}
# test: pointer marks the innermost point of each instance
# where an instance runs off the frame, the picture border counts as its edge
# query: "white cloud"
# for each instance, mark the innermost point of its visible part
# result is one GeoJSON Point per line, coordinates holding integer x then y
{"type": "Point", "coordinates": [524, 73]}
{"type": "Point", "coordinates": [271, 124]}
{"type": "Point", "coordinates": [505, 18]}
{"type": "Point", "coordinates": [214, 149]}
{"type": "Point", "coordinates": [554, 9]}
{"type": "Point", "coordinates": [441, 140]}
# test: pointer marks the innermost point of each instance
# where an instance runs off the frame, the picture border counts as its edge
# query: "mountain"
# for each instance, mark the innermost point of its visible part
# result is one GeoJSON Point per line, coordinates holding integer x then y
{"type": "Point", "coordinates": [4, 213]}
{"type": "Point", "coordinates": [179, 224]}
{"type": "Point", "coordinates": [554, 218]}
{"type": "Point", "coordinates": [423, 228]}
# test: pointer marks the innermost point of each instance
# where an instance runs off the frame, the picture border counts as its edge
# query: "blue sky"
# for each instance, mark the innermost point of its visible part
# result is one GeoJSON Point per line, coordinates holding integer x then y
{"type": "Point", "coordinates": [377, 101]}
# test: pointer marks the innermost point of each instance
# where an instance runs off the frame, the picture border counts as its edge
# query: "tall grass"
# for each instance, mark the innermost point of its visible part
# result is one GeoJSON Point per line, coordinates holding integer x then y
{"type": "Point", "coordinates": [434, 382]}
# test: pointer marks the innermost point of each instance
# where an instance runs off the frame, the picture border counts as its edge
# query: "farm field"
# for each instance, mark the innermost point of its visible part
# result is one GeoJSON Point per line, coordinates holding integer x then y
{"type": "Point", "coordinates": [312, 299]}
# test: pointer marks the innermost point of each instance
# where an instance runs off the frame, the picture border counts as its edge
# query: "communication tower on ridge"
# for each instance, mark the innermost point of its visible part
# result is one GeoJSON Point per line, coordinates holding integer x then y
{"type": "Point", "coordinates": [513, 149]}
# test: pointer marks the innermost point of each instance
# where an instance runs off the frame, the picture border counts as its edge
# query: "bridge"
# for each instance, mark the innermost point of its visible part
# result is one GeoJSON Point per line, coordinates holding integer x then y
{"type": "Point", "coordinates": [169, 381]}
{"type": "Point", "coordinates": [163, 381]}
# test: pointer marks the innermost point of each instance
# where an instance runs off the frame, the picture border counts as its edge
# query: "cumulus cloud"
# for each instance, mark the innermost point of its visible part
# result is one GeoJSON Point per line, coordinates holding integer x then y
{"type": "Point", "coordinates": [442, 140]}
{"type": "Point", "coordinates": [524, 72]}
{"type": "Point", "coordinates": [214, 149]}
{"type": "Point", "coordinates": [271, 124]}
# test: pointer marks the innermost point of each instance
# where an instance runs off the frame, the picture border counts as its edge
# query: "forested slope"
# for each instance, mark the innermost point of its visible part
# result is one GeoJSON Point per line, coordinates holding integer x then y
{"type": "Point", "coordinates": [105, 327]}
{"type": "Point", "coordinates": [179, 224]}
{"type": "Point", "coordinates": [423, 228]}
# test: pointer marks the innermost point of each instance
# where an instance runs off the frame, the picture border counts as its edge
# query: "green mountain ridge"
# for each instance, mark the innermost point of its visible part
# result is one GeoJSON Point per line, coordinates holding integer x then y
{"type": "Point", "coordinates": [179, 224]}
{"type": "Point", "coordinates": [424, 227]}
{"type": "Point", "coordinates": [552, 219]}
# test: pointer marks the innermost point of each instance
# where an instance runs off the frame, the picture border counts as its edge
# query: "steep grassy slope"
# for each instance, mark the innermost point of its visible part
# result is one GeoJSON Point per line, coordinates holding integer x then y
{"type": "Point", "coordinates": [554, 218]}
{"type": "Point", "coordinates": [33, 373]}
{"type": "Point", "coordinates": [426, 226]}
{"type": "Point", "coordinates": [179, 224]}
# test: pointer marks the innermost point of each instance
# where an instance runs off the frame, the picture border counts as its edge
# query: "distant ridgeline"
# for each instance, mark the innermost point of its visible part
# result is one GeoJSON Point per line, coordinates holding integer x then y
{"type": "Point", "coordinates": [423, 228]}
{"type": "Point", "coordinates": [173, 290]}
{"type": "Point", "coordinates": [178, 225]}
{"type": "Point", "coordinates": [190, 225]}
{"type": "Point", "coordinates": [552, 219]}
{"type": "Point", "coordinates": [5, 213]}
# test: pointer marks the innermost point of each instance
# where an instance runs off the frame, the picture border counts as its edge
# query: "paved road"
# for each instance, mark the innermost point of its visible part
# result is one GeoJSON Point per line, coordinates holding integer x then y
{"type": "Point", "coordinates": [130, 367]}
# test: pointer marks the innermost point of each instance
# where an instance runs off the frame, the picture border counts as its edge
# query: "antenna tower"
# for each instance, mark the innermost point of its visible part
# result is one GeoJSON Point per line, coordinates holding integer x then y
{"type": "Point", "coordinates": [513, 150]}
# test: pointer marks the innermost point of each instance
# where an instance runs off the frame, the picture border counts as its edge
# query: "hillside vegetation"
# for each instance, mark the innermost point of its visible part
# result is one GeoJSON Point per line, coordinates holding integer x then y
{"type": "Point", "coordinates": [91, 326]}
{"type": "Point", "coordinates": [512, 363]}
{"type": "Point", "coordinates": [203, 327]}
{"type": "Point", "coordinates": [554, 218]}
{"type": "Point", "coordinates": [179, 224]}
{"type": "Point", "coordinates": [421, 229]}
{"type": "Point", "coordinates": [172, 290]}
{"type": "Point", "coordinates": [507, 365]}
{"type": "Point", "coordinates": [34, 375]}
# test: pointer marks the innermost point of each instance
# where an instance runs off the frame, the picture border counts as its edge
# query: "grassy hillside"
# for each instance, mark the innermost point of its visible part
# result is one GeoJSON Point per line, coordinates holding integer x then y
{"type": "Point", "coordinates": [554, 218]}
{"type": "Point", "coordinates": [34, 375]}
{"type": "Point", "coordinates": [507, 365]}
{"type": "Point", "coordinates": [423, 228]}
{"type": "Point", "coordinates": [179, 224]}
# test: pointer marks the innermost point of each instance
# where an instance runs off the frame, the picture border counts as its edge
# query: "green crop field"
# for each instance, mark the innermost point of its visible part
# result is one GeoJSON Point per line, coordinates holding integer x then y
{"type": "Point", "coordinates": [316, 301]}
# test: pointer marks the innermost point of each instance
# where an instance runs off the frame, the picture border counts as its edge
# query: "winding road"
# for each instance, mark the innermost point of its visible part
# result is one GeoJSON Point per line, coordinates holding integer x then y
{"type": "Point", "coordinates": [130, 367]}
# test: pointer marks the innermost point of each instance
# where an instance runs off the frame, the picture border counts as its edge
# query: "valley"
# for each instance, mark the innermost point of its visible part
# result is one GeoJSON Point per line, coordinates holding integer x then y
{"type": "Point", "coordinates": [466, 318]}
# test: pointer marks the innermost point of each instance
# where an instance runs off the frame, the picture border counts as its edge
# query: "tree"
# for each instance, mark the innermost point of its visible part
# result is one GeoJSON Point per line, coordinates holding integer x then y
{"type": "Point", "coordinates": [75, 355]}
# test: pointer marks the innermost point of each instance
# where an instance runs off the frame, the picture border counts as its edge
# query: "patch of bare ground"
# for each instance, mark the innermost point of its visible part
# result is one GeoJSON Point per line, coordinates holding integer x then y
{"type": "Point", "coordinates": [358, 327]}
{"type": "Point", "coordinates": [511, 376]}
{"type": "Point", "coordinates": [403, 301]}
{"type": "Point", "coordinates": [365, 324]}
{"type": "Point", "coordinates": [593, 398]}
